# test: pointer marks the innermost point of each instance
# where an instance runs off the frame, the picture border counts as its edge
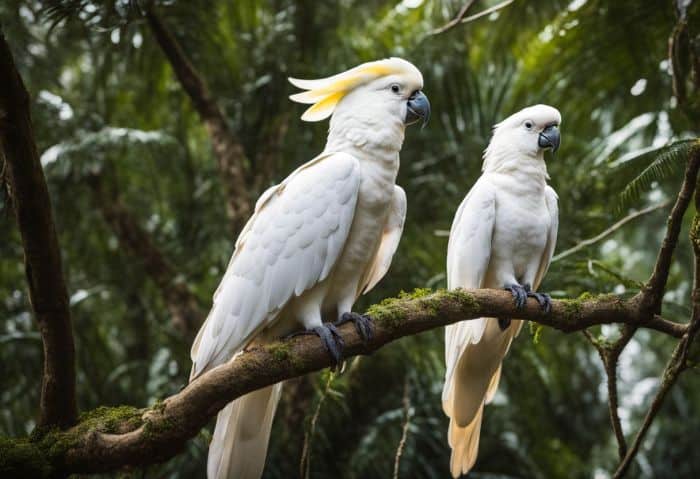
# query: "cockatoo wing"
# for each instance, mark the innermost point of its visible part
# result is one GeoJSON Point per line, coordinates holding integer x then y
{"type": "Point", "coordinates": [393, 229]}
{"type": "Point", "coordinates": [291, 243]}
{"type": "Point", "coordinates": [551, 199]}
{"type": "Point", "coordinates": [468, 255]}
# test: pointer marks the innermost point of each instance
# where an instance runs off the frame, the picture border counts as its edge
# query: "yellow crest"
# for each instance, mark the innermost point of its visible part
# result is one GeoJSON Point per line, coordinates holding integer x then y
{"type": "Point", "coordinates": [325, 93]}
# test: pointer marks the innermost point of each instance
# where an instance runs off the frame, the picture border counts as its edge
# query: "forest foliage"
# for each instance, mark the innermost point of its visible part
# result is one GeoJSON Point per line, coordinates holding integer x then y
{"type": "Point", "coordinates": [124, 149]}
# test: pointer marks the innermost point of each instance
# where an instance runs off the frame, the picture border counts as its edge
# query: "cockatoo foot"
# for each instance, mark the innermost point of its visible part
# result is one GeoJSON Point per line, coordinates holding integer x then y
{"type": "Point", "coordinates": [332, 341]}
{"type": "Point", "coordinates": [520, 294]}
{"type": "Point", "coordinates": [362, 322]}
{"type": "Point", "coordinates": [543, 299]}
{"type": "Point", "coordinates": [330, 338]}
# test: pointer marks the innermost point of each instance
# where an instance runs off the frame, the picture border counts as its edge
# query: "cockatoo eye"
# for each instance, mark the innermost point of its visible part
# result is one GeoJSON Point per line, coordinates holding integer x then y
{"type": "Point", "coordinates": [528, 125]}
{"type": "Point", "coordinates": [395, 88]}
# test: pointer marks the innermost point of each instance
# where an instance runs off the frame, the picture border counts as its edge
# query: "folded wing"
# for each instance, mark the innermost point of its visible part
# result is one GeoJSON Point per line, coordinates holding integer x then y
{"type": "Point", "coordinates": [468, 255]}
{"type": "Point", "coordinates": [393, 229]}
{"type": "Point", "coordinates": [290, 244]}
{"type": "Point", "coordinates": [553, 207]}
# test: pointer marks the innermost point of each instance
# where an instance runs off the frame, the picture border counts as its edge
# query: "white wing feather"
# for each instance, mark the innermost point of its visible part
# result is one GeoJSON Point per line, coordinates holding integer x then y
{"type": "Point", "coordinates": [468, 255]}
{"type": "Point", "coordinates": [551, 199]}
{"type": "Point", "coordinates": [291, 243]}
{"type": "Point", "coordinates": [393, 229]}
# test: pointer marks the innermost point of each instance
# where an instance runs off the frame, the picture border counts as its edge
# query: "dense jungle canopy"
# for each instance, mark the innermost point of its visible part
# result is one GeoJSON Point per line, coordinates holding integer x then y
{"type": "Point", "coordinates": [159, 123]}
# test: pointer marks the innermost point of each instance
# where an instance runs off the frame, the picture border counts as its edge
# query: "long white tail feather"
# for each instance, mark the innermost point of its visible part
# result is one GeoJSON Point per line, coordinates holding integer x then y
{"type": "Point", "coordinates": [241, 436]}
{"type": "Point", "coordinates": [471, 382]}
{"type": "Point", "coordinates": [464, 442]}
{"type": "Point", "coordinates": [493, 385]}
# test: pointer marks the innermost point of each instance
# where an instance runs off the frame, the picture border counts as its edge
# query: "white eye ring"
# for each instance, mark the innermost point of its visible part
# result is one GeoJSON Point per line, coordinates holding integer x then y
{"type": "Point", "coordinates": [396, 88]}
{"type": "Point", "coordinates": [528, 124]}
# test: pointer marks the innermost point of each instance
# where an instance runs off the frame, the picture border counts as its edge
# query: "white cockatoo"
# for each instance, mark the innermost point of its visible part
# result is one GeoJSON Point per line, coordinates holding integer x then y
{"type": "Point", "coordinates": [315, 242]}
{"type": "Point", "coordinates": [503, 236]}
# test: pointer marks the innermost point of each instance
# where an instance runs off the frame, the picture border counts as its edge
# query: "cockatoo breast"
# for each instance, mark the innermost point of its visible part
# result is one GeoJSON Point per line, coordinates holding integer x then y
{"type": "Point", "coordinates": [373, 204]}
{"type": "Point", "coordinates": [520, 237]}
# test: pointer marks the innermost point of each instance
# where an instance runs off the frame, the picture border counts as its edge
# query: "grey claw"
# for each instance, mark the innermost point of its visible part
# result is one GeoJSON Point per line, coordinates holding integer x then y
{"type": "Point", "coordinates": [331, 341]}
{"type": "Point", "coordinates": [362, 322]}
{"type": "Point", "coordinates": [544, 300]}
{"type": "Point", "coordinates": [519, 293]}
{"type": "Point", "coordinates": [330, 338]}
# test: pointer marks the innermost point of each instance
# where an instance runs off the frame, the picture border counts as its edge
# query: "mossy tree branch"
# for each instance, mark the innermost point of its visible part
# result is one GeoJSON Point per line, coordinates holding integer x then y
{"type": "Point", "coordinates": [157, 433]}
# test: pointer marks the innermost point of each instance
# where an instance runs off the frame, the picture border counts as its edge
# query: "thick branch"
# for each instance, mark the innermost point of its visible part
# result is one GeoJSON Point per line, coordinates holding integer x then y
{"type": "Point", "coordinates": [42, 256]}
{"type": "Point", "coordinates": [164, 428]}
{"type": "Point", "coordinates": [181, 303]}
{"type": "Point", "coordinates": [231, 157]}
{"type": "Point", "coordinates": [654, 289]}
{"type": "Point", "coordinates": [678, 361]}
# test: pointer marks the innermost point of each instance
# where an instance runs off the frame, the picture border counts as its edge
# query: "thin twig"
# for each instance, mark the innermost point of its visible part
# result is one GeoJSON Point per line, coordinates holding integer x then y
{"type": "Point", "coordinates": [610, 354]}
{"type": "Point", "coordinates": [406, 424]}
{"type": "Point", "coordinates": [458, 18]}
{"type": "Point", "coordinates": [305, 464]}
{"type": "Point", "coordinates": [613, 401]}
{"type": "Point", "coordinates": [607, 232]}
{"type": "Point", "coordinates": [461, 19]}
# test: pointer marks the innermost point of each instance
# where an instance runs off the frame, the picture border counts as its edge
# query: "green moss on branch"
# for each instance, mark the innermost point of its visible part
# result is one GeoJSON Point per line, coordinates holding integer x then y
{"type": "Point", "coordinates": [41, 454]}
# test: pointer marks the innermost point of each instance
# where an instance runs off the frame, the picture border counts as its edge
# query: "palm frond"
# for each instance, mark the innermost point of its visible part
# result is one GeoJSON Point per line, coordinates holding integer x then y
{"type": "Point", "coordinates": [658, 165]}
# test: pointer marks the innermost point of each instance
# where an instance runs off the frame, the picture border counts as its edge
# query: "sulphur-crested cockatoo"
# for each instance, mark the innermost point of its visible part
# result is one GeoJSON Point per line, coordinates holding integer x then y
{"type": "Point", "coordinates": [503, 236]}
{"type": "Point", "coordinates": [315, 242]}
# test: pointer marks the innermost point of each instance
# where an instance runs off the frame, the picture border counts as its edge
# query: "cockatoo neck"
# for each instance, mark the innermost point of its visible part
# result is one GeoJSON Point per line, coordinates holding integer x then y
{"type": "Point", "coordinates": [375, 136]}
{"type": "Point", "coordinates": [529, 170]}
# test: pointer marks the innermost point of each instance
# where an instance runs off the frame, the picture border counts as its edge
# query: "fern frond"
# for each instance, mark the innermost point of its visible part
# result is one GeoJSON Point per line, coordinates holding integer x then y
{"type": "Point", "coordinates": [656, 165]}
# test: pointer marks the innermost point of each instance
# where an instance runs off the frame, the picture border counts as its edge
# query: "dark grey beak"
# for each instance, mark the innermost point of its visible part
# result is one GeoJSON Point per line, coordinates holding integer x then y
{"type": "Point", "coordinates": [549, 138]}
{"type": "Point", "coordinates": [417, 108]}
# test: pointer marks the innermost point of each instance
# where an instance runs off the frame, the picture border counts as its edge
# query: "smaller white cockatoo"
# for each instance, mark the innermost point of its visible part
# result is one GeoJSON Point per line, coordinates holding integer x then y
{"type": "Point", "coordinates": [315, 242]}
{"type": "Point", "coordinates": [503, 236]}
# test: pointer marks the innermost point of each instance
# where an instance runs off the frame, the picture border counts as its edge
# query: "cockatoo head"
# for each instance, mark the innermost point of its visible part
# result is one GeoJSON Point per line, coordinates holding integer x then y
{"type": "Point", "coordinates": [384, 90]}
{"type": "Point", "coordinates": [525, 134]}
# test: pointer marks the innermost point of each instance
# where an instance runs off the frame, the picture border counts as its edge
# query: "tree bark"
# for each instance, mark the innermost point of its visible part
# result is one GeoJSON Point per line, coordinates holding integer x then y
{"type": "Point", "coordinates": [42, 257]}
{"type": "Point", "coordinates": [653, 291]}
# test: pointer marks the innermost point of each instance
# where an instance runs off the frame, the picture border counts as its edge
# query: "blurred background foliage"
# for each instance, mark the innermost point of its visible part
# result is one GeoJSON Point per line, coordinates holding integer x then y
{"type": "Point", "coordinates": [108, 111]}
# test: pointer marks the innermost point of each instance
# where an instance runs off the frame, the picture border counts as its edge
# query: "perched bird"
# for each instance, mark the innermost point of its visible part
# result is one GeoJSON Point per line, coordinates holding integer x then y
{"type": "Point", "coordinates": [315, 242]}
{"type": "Point", "coordinates": [503, 236]}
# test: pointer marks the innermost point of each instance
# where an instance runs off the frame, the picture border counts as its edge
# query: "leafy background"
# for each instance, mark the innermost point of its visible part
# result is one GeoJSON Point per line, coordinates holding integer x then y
{"type": "Point", "coordinates": [106, 103]}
